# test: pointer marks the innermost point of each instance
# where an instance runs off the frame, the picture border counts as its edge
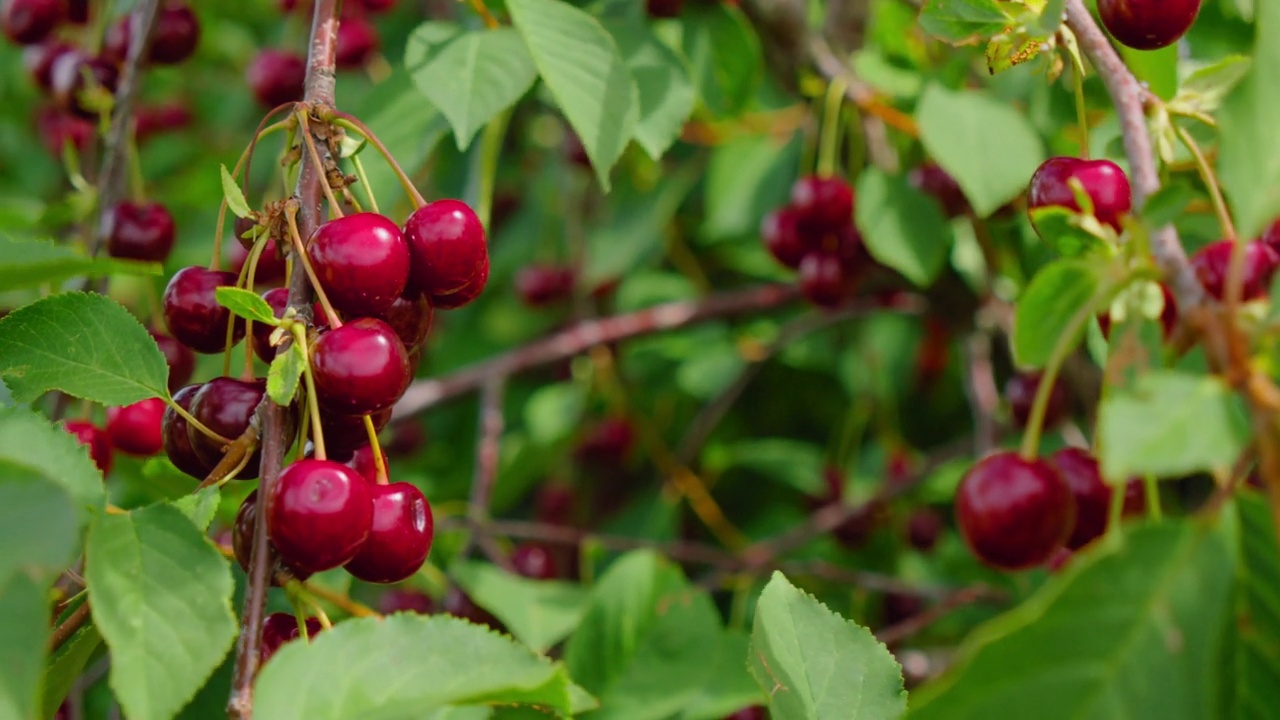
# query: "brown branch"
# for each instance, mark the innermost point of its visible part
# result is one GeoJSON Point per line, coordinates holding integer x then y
{"type": "Point", "coordinates": [980, 386]}
{"type": "Point", "coordinates": [319, 91]}
{"type": "Point", "coordinates": [488, 445]}
{"type": "Point", "coordinates": [898, 632]}
{"type": "Point", "coordinates": [74, 622]}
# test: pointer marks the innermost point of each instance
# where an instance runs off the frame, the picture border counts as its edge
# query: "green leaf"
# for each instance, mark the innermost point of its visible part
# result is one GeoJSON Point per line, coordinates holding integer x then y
{"type": "Point", "coordinates": [472, 77]}
{"type": "Point", "coordinates": [1257, 612]}
{"type": "Point", "coordinates": [962, 21]}
{"type": "Point", "coordinates": [1169, 424]}
{"type": "Point", "coordinates": [283, 374]}
{"type": "Point", "coordinates": [635, 233]}
{"type": "Point", "coordinates": [580, 63]}
{"type": "Point", "coordinates": [1157, 68]}
{"type": "Point", "coordinates": [28, 440]}
{"type": "Point", "coordinates": [200, 507]}
{"type": "Point", "coordinates": [403, 666]}
{"type": "Point", "coordinates": [66, 666]}
{"type": "Point", "coordinates": [666, 92]}
{"type": "Point", "coordinates": [246, 304]}
{"type": "Point", "coordinates": [1204, 90]}
{"type": "Point", "coordinates": [1068, 232]}
{"type": "Point", "coordinates": [814, 664]}
{"type": "Point", "coordinates": [539, 613]}
{"type": "Point", "coordinates": [1130, 630]}
{"type": "Point", "coordinates": [234, 196]}
{"type": "Point", "coordinates": [724, 55]}
{"type": "Point", "coordinates": [32, 263]}
{"type": "Point", "coordinates": [903, 228]}
{"type": "Point", "coordinates": [84, 344]}
{"type": "Point", "coordinates": [730, 687]}
{"type": "Point", "coordinates": [553, 412]}
{"type": "Point", "coordinates": [162, 600]}
{"type": "Point", "coordinates": [988, 146]}
{"type": "Point", "coordinates": [24, 605]}
{"type": "Point", "coordinates": [1055, 308]}
{"type": "Point", "coordinates": [793, 463]}
{"type": "Point", "coordinates": [1249, 146]}
{"type": "Point", "coordinates": [746, 177]}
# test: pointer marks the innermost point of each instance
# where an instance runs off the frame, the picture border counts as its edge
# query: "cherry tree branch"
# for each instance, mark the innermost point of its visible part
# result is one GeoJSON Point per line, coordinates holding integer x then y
{"type": "Point", "coordinates": [488, 445]}
{"type": "Point", "coordinates": [319, 90]}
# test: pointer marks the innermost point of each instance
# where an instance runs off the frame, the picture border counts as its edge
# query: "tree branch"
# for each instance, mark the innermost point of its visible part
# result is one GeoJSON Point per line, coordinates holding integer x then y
{"type": "Point", "coordinates": [488, 444]}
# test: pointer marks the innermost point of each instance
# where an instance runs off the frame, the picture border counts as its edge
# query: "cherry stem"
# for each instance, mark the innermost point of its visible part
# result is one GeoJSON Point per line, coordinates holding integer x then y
{"type": "Point", "coordinates": [194, 422]}
{"type": "Point", "coordinates": [137, 186]}
{"type": "Point", "coordinates": [334, 207]}
{"type": "Point", "coordinates": [364, 180]}
{"type": "Point", "coordinates": [291, 213]}
{"type": "Point", "coordinates": [1115, 510]}
{"type": "Point", "coordinates": [830, 138]}
{"type": "Point", "coordinates": [1152, 488]}
{"type": "Point", "coordinates": [313, 402]}
{"type": "Point", "coordinates": [480, 9]}
{"type": "Point", "coordinates": [350, 122]}
{"type": "Point", "coordinates": [247, 275]}
{"type": "Point", "coordinates": [242, 165]}
{"type": "Point", "coordinates": [374, 445]}
{"type": "Point", "coordinates": [1235, 270]}
{"type": "Point", "coordinates": [1082, 113]}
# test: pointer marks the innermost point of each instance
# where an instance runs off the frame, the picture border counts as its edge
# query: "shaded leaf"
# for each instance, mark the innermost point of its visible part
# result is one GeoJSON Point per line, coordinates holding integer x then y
{"type": "Point", "coordinates": [903, 228]}
{"type": "Point", "coordinates": [28, 440]}
{"type": "Point", "coordinates": [539, 613]}
{"type": "Point", "coordinates": [32, 263]}
{"type": "Point", "coordinates": [1056, 307]}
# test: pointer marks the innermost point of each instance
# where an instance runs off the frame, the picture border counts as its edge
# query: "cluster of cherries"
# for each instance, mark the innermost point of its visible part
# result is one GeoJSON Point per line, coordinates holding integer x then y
{"type": "Point", "coordinates": [815, 235]}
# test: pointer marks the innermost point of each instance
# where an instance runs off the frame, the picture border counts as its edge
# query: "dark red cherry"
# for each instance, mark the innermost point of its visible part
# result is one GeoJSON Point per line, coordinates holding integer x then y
{"type": "Point", "coordinates": [281, 628]}
{"type": "Point", "coordinates": [1092, 495]}
{"type": "Point", "coordinates": [137, 429]}
{"type": "Point", "coordinates": [1014, 513]}
{"type": "Point", "coordinates": [1104, 182]}
{"type": "Point", "coordinates": [343, 434]}
{"type": "Point", "coordinates": [824, 280]}
{"type": "Point", "coordinates": [753, 712]}
{"type": "Point", "coordinates": [1020, 391]}
{"type": "Point", "coordinates": [469, 292]}
{"type": "Point", "coordinates": [824, 204]}
{"type": "Point", "coordinates": [271, 268]}
{"type": "Point", "coordinates": [855, 531]}
{"type": "Point", "coordinates": [95, 439]}
{"type": "Point", "coordinates": [664, 8]}
{"type": "Point", "coordinates": [276, 77]}
{"type": "Point", "coordinates": [177, 438]}
{"type": "Point", "coordinates": [225, 406]}
{"type": "Point", "coordinates": [447, 246]}
{"type": "Point", "coordinates": [377, 6]}
{"type": "Point", "coordinates": [243, 529]}
{"type": "Point", "coordinates": [278, 299]}
{"type": "Point", "coordinates": [534, 561]}
{"type": "Point", "coordinates": [173, 39]}
{"type": "Point", "coordinates": [77, 12]}
{"type": "Point", "coordinates": [554, 504]}
{"type": "Point", "coordinates": [781, 233]}
{"type": "Point", "coordinates": [1148, 24]}
{"type": "Point", "coordinates": [406, 600]}
{"type": "Point", "coordinates": [1271, 236]}
{"type": "Point", "coordinates": [179, 358]}
{"type": "Point", "coordinates": [192, 312]}
{"type": "Point", "coordinates": [539, 285]}
{"type": "Point", "coordinates": [924, 527]}
{"type": "Point", "coordinates": [357, 42]}
{"type": "Point", "coordinates": [319, 514]}
{"type": "Point", "coordinates": [410, 317]}
{"type": "Point", "coordinates": [608, 443]}
{"type": "Point", "coordinates": [359, 368]}
{"type": "Point", "coordinates": [140, 231]}
{"type": "Point", "coordinates": [460, 605]}
{"type": "Point", "coordinates": [159, 119]}
{"type": "Point", "coordinates": [931, 179]}
{"type": "Point", "coordinates": [362, 262]}
{"type": "Point", "coordinates": [29, 21]}
{"type": "Point", "coordinates": [58, 128]}
{"type": "Point", "coordinates": [400, 537]}
{"type": "Point", "coordinates": [1213, 261]}
{"type": "Point", "coordinates": [39, 59]}
{"type": "Point", "coordinates": [73, 74]}
{"type": "Point", "coordinates": [361, 461]}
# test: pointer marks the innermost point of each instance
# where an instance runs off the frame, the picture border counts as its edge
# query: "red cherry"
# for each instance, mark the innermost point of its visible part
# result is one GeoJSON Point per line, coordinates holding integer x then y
{"type": "Point", "coordinates": [824, 204]}
{"type": "Point", "coordinates": [400, 537]}
{"type": "Point", "coordinates": [271, 268]}
{"type": "Point", "coordinates": [1104, 182]}
{"type": "Point", "coordinates": [377, 6]}
{"type": "Point", "coordinates": [447, 246]}
{"type": "Point", "coordinates": [1020, 391]}
{"type": "Point", "coordinates": [225, 406]}
{"type": "Point", "coordinates": [278, 299]}
{"type": "Point", "coordinates": [664, 8]}
{"type": "Point", "coordinates": [58, 128]}
{"type": "Point", "coordinates": [177, 438]}
{"type": "Point", "coordinates": [161, 118]}
{"type": "Point", "coordinates": [137, 429]}
{"type": "Point", "coordinates": [780, 231]}
{"type": "Point", "coordinates": [824, 279]}
{"type": "Point", "coordinates": [923, 529]}
{"type": "Point", "coordinates": [276, 77]}
{"type": "Point", "coordinates": [1014, 513]}
{"type": "Point", "coordinates": [1148, 24]}
{"type": "Point", "coordinates": [243, 529]}
{"type": "Point", "coordinates": [39, 59]}
{"type": "Point", "coordinates": [319, 514]}
{"type": "Point", "coordinates": [193, 314]}
{"type": "Point", "coordinates": [534, 561]}
{"type": "Point", "coordinates": [361, 461]}
{"type": "Point", "coordinates": [404, 600]}
{"type": "Point", "coordinates": [95, 439]}
{"type": "Point", "coordinates": [140, 231]}
{"type": "Point", "coordinates": [1213, 261]}
{"type": "Point", "coordinates": [281, 628]}
{"type": "Point", "coordinates": [1271, 236]}
{"type": "Point", "coordinates": [469, 292]}
{"type": "Point", "coordinates": [77, 12]}
{"type": "Point", "coordinates": [554, 505]}
{"type": "Point", "coordinates": [930, 178]}
{"type": "Point", "coordinates": [608, 443]}
{"type": "Point", "coordinates": [173, 39]}
{"type": "Point", "coordinates": [29, 21]}
{"type": "Point", "coordinates": [854, 532]}
{"type": "Point", "coordinates": [754, 712]}
{"type": "Point", "coordinates": [540, 285]}
{"type": "Point", "coordinates": [410, 317]}
{"type": "Point", "coordinates": [460, 605]}
{"type": "Point", "coordinates": [68, 83]}
{"type": "Point", "coordinates": [359, 368]}
{"type": "Point", "coordinates": [179, 358]}
{"type": "Point", "coordinates": [357, 42]}
{"type": "Point", "coordinates": [362, 261]}
{"type": "Point", "coordinates": [1092, 495]}
{"type": "Point", "coordinates": [345, 433]}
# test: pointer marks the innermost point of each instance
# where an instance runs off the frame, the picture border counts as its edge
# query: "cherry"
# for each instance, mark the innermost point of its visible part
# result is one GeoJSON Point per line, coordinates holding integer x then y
{"type": "Point", "coordinates": [346, 433]}
{"type": "Point", "coordinates": [469, 292]}
{"type": "Point", "coordinates": [931, 179]}
{"type": "Point", "coordinates": [855, 531]}
{"type": "Point", "coordinates": [377, 6]}
{"type": "Point", "coordinates": [359, 368]}
{"type": "Point", "coordinates": [97, 440]}
{"type": "Point", "coordinates": [362, 261]}
{"type": "Point", "coordinates": [400, 537]}
{"type": "Point", "coordinates": [664, 8]}
{"type": "Point", "coordinates": [410, 317]}
{"type": "Point", "coordinates": [1092, 495]}
{"type": "Point", "coordinates": [361, 461]}
{"type": "Point", "coordinates": [407, 438]}
{"type": "Point", "coordinates": [319, 513]}
{"type": "Point", "coordinates": [824, 280]}
{"type": "Point", "coordinates": [1271, 236]}
{"type": "Point", "coordinates": [539, 285]}
{"type": "Point", "coordinates": [781, 233]}
{"type": "Point", "coordinates": [77, 12]}
{"type": "Point", "coordinates": [161, 118]}
{"type": "Point", "coordinates": [39, 59]}
{"type": "Point", "coordinates": [447, 246]}
{"type": "Point", "coordinates": [173, 39]}
{"type": "Point", "coordinates": [825, 204]}
{"type": "Point", "coordinates": [225, 406]}
{"type": "Point", "coordinates": [140, 231]}
{"type": "Point", "coordinates": [923, 529]}
{"type": "Point", "coordinates": [29, 21]}
{"type": "Point", "coordinates": [404, 600]}
{"type": "Point", "coordinates": [751, 712]}
{"type": "Point", "coordinates": [242, 541]}
{"type": "Point", "coordinates": [608, 443]}
{"type": "Point", "coordinates": [68, 80]}
{"type": "Point", "coordinates": [1104, 182]}
{"type": "Point", "coordinates": [1148, 24]}
{"type": "Point", "coordinates": [554, 504]}
{"type": "Point", "coordinates": [281, 628]}
{"type": "Point", "coordinates": [1014, 513]}
{"type": "Point", "coordinates": [58, 128]}
{"type": "Point", "coordinates": [1213, 261]}
{"type": "Point", "coordinates": [278, 299]}
{"type": "Point", "coordinates": [177, 438]}
{"type": "Point", "coordinates": [900, 607]}
{"type": "Point", "coordinates": [179, 358]}
{"type": "Point", "coordinates": [1020, 391]}
{"type": "Point", "coordinates": [276, 77]}
{"type": "Point", "coordinates": [357, 42]}
{"type": "Point", "coordinates": [534, 561]}
{"type": "Point", "coordinates": [271, 267]}
{"type": "Point", "coordinates": [137, 429]}
{"type": "Point", "coordinates": [192, 312]}
{"type": "Point", "coordinates": [460, 605]}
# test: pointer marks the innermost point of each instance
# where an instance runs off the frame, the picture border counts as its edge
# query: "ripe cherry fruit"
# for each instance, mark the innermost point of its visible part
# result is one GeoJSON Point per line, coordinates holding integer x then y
{"type": "Point", "coordinates": [95, 439]}
{"type": "Point", "coordinates": [276, 77]}
{"type": "Point", "coordinates": [410, 317]}
{"type": "Point", "coordinates": [362, 262]}
{"type": "Point", "coordinates": [30, 21]}
{"type": "Point", "coordinates": [39, 59]}
{"type": "Point", "coordinates": [825, 204]}
{"type": "Point", "coordinates": [1104, 182]}
{"type": "Point", "coordinates": [1020, 391]}
{"type": "Point", "coordinates": [1092, 495]}
{"type": "Point", "coordinates": [1148, 24]}
{"type": "Point", "coordinates": [137, 429]}
{"type": "Point", "coordinates": [540, 285]}
{"type": "Point", "coordinates": [140, 231]}
{"type": "Point", "coordinates": [357, 42]}
{"type": "Point", "coordinates": [319, 514]}
{"type": "Point", "coordinates": [534, 561]}
{"type": "Point", "coordinates": [447, 246]}
{"type": "Point", "coordinates": [1014, 513]}
{"type": "Point", "coordinates": [74, 73]}
{"type": "Point", "coordinates": [361, 367]}
{"type": "Point", "coordinates": [177, 438]}
{"type": "Point", "coordinates": [1212, 263]}
{"type": "Point", "coordinates": [225, 406]}
{"type": "Point", "coordinates": [278, 300]}
{"type": "Point", "coordinates": [179, 358]}
{"type": "Point", "coordinates": [281, 628]}
{"type": "Point", "coordinates": [399, 538]}
{"type": "Point", "coordinates": [931, 179]}
{"type": "Point", "coordinates": [174, 38]}
{"type": "Point", "coordinates": [781, 233]}
{"type": "Point", "coordinates": [192, 312]}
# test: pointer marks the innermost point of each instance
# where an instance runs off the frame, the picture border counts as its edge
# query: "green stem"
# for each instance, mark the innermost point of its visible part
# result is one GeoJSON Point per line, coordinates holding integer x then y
{"type": "Point", "coordinates": [1115, 511]}
{"type": "Point", "coordinates": [376, 447]}
{"type": "Point", "coordinates": [351, 123]}
{"type": "Point", "coordinates": [364, 180]}
{"type": "Point", "coordinates": [1152, 488]}
{"type": "Point", "coordinates": [194, 422]}
{"type": "Point", "coordinates": [137, 186]}
{"type": "Point", "coordinates": [1082, 113]}
{"type": "Point", "coordinates": [830, 140]}
{"type": "Point", "coordinates": [484, 167]}
{"type": "Point", "coordinates": [313, 403]}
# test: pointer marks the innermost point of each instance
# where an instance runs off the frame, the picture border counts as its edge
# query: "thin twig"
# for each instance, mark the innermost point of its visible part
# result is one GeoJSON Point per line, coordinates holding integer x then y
{"type": "Point", "coordinates": [63, 632]}
{"type": "Point", "coordinates": [898, 632]}
{"type": "Point", "coordinates": [980, 386]}
{"type": "Point", "coordinates": [488, 445]}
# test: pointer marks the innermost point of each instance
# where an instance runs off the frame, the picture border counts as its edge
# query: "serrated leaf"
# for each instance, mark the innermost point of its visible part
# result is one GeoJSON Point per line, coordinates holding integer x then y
{"type": "Point", "coordinates": [471, 77]}
{"type": "Point", "coordinates": [1067, 231]}
{"type": "Point", "coordinates": [731, 686]}
{"type": "Point", "coordinates": [1157, 69]}
{"type": "Point", "coordinates": [234, 195]}
{"type": "Point", "coordinates": [283, 374]}
{"type": "Point", "coordinates": [369, 667]}
{"type": "Point", "coordinates": [580, 63]}
{"type": "Point", "coordinates": [1257, 612]}
{"type": "Point", "coordinates": [666, 93]}
{"type": "Point", "coordinates": [32, 263]}
{"type": "Point", "coordinates": [246, 304]}
{"type": "Point", "coordinates": [798, 649]}
{"type": "Point", "coordinates": [1204, 89]}
{"type": "Point", "coordinates": [28, 440]}
{"type": "Point", "coordinates": [84, 344]}
{"type": "Point", "coordinates": [200, 507]}
{"type": "Point", "coordinates": [1170, 424]}
{"type": "Point", "coordinates": [903, 228]}
{"type": "Point", "coordinates": [1010, 49]}
{"type": "Point", "coordinates": [162, 601]}
{"type": "Point", "coordinates": [1130, 630]}
{"type": "Point", "coordinates": [1249, 146]}
{"type": "Point", "coordinates": [962, 21]}
{"type": "Point", "coordinates": [539, 613]}
{"type": "Point", "coordinates": [988, 146]}
{"type": "Point", "coordinates": [1059, 301]}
